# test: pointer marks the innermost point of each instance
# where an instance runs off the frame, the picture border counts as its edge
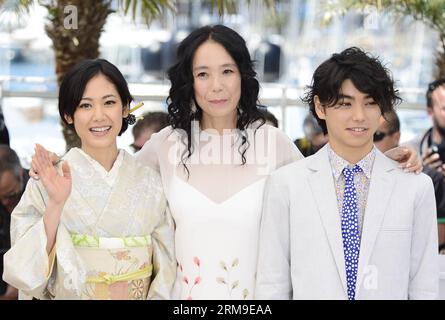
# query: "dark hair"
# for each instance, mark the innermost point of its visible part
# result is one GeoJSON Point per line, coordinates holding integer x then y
{"type": "Point", "coordinates": [268, 116]}
{"type": "Point", "coordinates": [431, 87]}
{"type": "Point", "coordinates": [76, 79]}
{"type": "Point", "coordinates": [9, 161]}
{"type": "Point", "coordinates": [366, 73]}
{"type": "Point", "coordinates": [156, 120]}
{"type": "Point", "coordinates": [181, 95]}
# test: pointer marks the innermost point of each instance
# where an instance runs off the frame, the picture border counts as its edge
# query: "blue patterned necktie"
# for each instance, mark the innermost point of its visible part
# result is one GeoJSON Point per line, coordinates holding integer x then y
{"type": "Point", "coordinates": [349, 229]}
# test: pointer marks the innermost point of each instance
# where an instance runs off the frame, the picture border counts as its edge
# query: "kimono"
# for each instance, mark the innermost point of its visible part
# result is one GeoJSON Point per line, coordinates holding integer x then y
{"type": "Point", "coordinates": [114, 241]}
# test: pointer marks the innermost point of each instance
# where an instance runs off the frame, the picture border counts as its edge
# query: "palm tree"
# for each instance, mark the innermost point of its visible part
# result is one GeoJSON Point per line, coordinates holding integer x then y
{"type": "Point", "coordinates": [430, 12]}
{"type": "Point", "coordinates": [74, 44]}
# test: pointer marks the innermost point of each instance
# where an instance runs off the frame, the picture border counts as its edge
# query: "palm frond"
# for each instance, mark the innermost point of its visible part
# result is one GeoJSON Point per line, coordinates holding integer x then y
{"type": "Point", "coordinates": [430, 12]}
{"type": "Point", "coordinates": [19, 7]}
{"type": "Point", "coordinates": [230, 6]}
{"type": "Point", "coordinates": [225, 6]}
{"type": "Point", "coordinates": [14, 13]}
{"type": "Point", "coordinates": [148, 9]}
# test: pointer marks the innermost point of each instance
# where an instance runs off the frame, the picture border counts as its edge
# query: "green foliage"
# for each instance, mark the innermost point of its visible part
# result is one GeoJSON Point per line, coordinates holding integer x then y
{"type": "Point", "coordinates": [430, 12]}
{"type": "Point", "coordinates": [18, 7]}
{"type": "Point", "coordinates": [149, 9]}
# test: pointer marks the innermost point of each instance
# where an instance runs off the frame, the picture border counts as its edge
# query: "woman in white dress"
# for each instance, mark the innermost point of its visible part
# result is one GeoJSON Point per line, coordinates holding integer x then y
{"type": "Point", "coordinates": [214, 160]}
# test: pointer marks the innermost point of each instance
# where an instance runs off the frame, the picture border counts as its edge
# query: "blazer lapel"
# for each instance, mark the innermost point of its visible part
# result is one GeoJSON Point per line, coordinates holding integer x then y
{"type": "Point", "coordinates": [380, 190]}
{"type": "Point", "coordinates": [322, 186]}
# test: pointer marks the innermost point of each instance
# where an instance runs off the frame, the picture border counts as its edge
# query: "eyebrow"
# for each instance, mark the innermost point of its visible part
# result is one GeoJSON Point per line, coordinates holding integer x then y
{"type": "Point", "coordinates": [345, 96]}
{"type": "Point", "coordinates": [233, 65]}
{"type": "Point", "coordinates": [103, 98]}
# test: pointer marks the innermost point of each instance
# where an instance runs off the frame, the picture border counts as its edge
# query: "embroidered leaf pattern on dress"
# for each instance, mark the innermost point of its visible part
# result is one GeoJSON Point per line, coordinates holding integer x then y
{"type": "Point", "coordinates": [227, 281]}
{"type": "Point", "coordinates": [192, 281]}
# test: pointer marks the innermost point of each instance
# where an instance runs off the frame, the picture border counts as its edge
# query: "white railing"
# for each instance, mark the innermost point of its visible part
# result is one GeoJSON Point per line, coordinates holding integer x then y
{"type": "Point", "coordinates": [271, 94]}
{"type": "Point", "coordinates": [34, 119]}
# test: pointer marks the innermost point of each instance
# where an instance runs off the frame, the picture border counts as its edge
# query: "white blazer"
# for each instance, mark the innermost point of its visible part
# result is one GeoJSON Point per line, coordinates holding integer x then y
{"type": "Point", "coordinates": [301, 247]}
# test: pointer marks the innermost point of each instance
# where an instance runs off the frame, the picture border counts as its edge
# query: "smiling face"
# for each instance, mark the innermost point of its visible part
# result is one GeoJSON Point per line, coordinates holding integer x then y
{"type": "Point", "coordinates": [351, 122]}
{"type": "Point", "coordinates": [98, 117]}
{"type": "Point", "coordinates": [217, 83]}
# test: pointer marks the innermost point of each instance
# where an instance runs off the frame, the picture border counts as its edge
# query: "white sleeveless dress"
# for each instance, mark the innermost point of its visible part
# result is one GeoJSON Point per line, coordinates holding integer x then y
{"type": "Point", "coordinates": [217, 207]}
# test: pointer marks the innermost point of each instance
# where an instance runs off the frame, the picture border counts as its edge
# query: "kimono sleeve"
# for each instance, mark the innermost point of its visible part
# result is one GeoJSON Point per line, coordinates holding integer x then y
{"type": "Point", "coordinates": [164, 260]}
{"type": "Point", "coordinates": [27, 266]}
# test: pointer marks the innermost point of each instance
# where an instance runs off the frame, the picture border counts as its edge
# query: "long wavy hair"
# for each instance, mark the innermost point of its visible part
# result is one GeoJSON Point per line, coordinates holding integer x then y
{"type": "Point", "coordinates": [181, 96]}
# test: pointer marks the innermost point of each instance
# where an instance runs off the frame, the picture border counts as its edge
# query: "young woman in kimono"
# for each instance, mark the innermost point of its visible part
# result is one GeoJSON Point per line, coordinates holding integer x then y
{"type": "Point", "coordinates": [97, 226]}
{"type": "Point", "coordinates": [214, 160]}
